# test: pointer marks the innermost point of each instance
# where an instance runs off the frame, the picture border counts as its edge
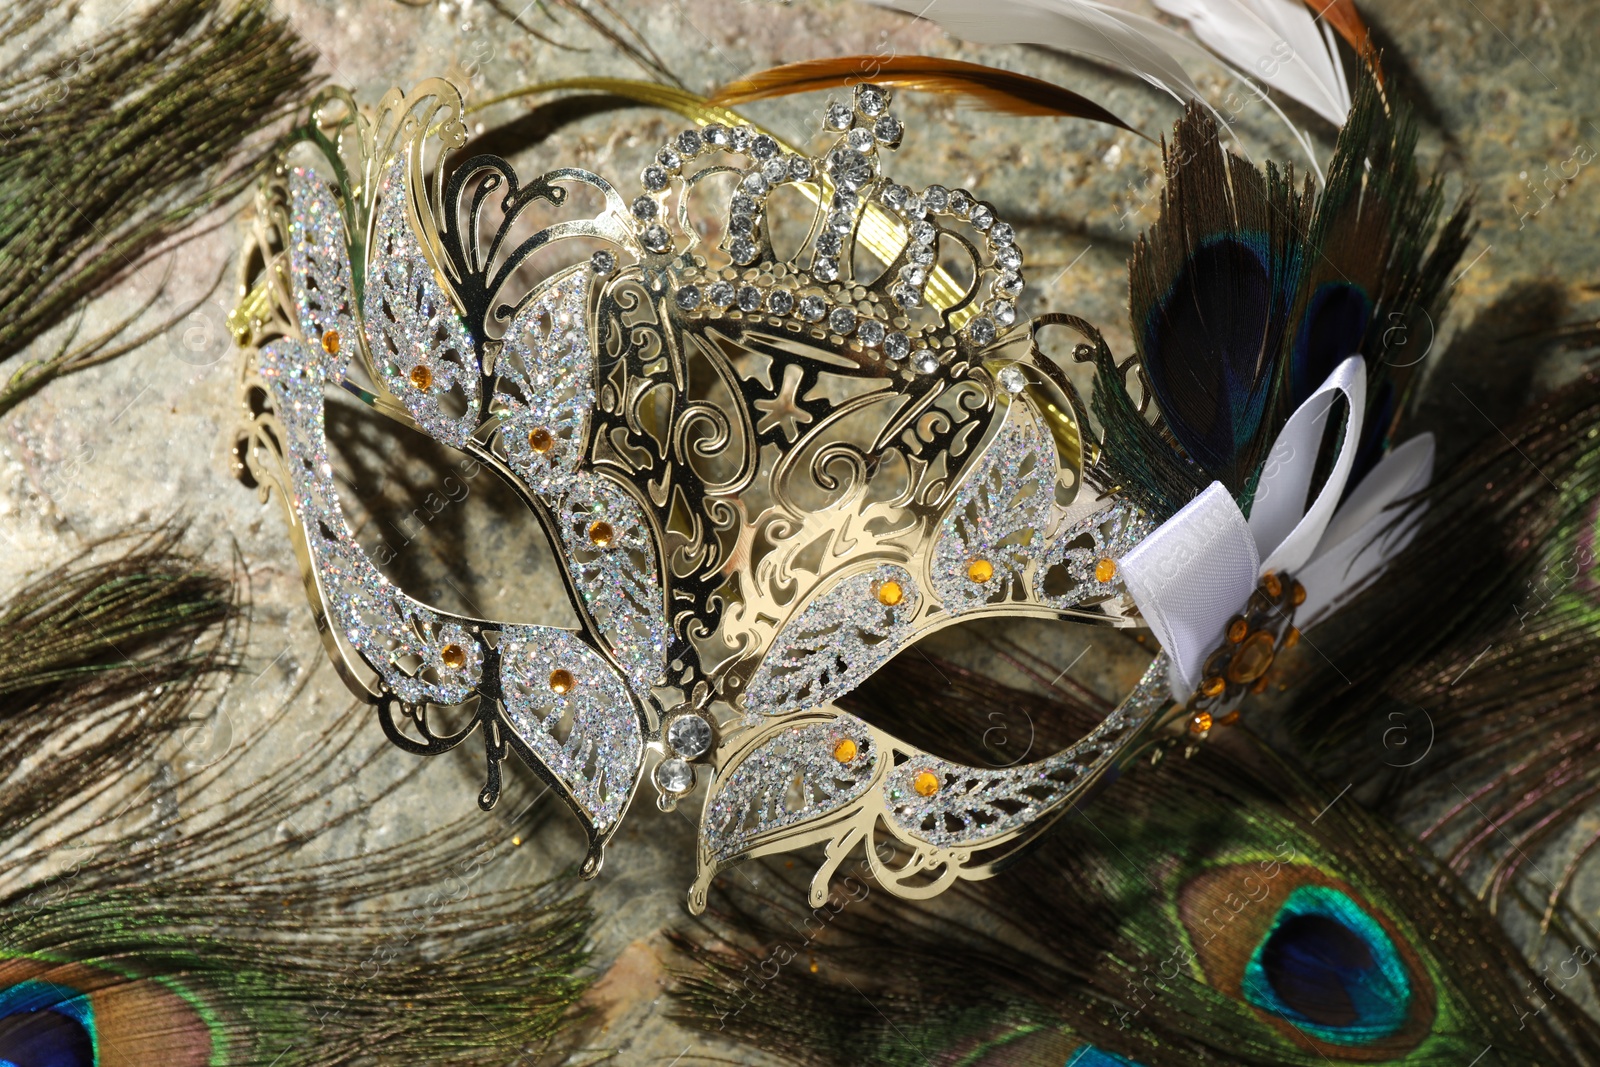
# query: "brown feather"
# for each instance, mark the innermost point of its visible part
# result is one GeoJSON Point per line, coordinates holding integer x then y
{"type": "Point", "coordinates": [1348, 23]}
{"type": "Point", "coordinates": [992, 88]}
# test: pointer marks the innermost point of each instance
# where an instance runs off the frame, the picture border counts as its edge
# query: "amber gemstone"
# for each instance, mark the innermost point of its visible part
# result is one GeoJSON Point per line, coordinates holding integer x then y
{"type": "Point", "coordinates": [454, 656]}
{"type": "Point", "coordinates": [601, 534]}
{"type": "Point", "coordinates": [1238, 630]}
{"type": "Point", "coordinates": [1272, 584]}
{"type": "Point", "coordinates": [421, 376]}
{"type": "Point", "coordinates": [845, 750]}
{"type": "Point", "coordinates": [561, 681]}
{"type": "Point", "coordinates": [1252, 659]}
{"type": "Point", "coordinates": [330, 342]}
{"type": "Point", "coordinates": [980, 570]}
{"type": "Point", "coordinates": [926, 783]}
{"type": "Point", "coordinates": [1105, 569]}
{"type": "Point", "coordinates": [890, 593]}
{"type": "Point", "coordinates": [1229, 719]}
{"type": "Point", "coordinates": [1291, 638]}
{"type": "Point", "coordinates": [1297, 594]}
{"type": "Point", "coordinates": [1212, 687]}
{"type": "Point", "coordinates": [1260, 686]}
{"type": "Point", "coordinates": [541, 440]}
{"type": "Point", "coordinates": [1201, 723]}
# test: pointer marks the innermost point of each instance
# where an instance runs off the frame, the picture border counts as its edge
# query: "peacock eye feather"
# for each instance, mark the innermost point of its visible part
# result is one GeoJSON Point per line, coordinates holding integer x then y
{"type": "Point", "coordinates": [76, 1015]}
{"type": "Point", "coordinates": [1319, 962]}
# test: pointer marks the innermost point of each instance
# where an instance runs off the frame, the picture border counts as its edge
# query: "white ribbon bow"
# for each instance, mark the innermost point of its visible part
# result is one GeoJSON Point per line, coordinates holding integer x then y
{"type": "Point", "coordinates": [1198, 569]}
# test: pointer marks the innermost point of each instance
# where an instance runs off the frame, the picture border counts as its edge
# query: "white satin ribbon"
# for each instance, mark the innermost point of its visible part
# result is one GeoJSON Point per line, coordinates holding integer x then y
{"type": "Point", "coordinates": [1198, 569]}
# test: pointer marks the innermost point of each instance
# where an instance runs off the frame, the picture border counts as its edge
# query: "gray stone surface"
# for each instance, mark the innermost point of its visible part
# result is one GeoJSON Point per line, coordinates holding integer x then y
{"type": "Point", "coordinates": [1509, 93]}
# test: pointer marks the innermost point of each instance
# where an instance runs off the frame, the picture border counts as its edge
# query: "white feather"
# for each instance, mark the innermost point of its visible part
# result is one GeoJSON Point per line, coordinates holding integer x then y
{"type": "Point", "coordinates": [1275, 41]}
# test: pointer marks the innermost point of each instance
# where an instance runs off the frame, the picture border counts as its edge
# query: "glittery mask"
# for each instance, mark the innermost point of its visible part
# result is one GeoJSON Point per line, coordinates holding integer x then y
{"type": "Point", "coordinates": [763, 473]}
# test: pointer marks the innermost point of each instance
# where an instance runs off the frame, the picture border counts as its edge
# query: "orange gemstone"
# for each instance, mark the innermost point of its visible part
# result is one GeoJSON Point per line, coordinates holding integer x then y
{"type": "Point", "coordinates": [1212, 687]}
{"type": "Point", "coordinates": [1291, 638]}
{"type": "Point", "coordinates": [980, 570]}
{"type": "Point", "coordinates": [1201, 723]}
{"type": "Point", "coordinates": [1297, 594]}
{"type": "Point", "coordinates": [421, 376]}
{"type": "Point", "coordinates": [541, 440]}
{"type": "Point", "coordinates": [845, 750]}
{"type": "Point", "coordinates": [1238, 630]}
{"type": "Point", "coordinates": [1272, 584]}
{"type": "Point", "coordinates": [890, 593]}
{"type": "Point", "coordinates": [1252, 659]}
{"type": "Point", "coordinates": [561, 681]}
{"type": "Point", "coordinates": [1260, 686]}
{"type": "Point", "coordinates": [1229, 719]}
{"type": "Point", "coordinates": [926, 783]}
{"type": "Point", "coordinates": [454, 656]}
{"type": "Point", "coordinates": [601, 534]}
{"type": "Point", "coordinates": [1105, 569]}
{"type": "Point", "coordinates": [330, 342]}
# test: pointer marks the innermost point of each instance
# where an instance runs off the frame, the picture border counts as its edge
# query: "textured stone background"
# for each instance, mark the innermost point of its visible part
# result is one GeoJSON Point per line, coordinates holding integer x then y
{"type": "Point", "coordinates": [1508, 93]}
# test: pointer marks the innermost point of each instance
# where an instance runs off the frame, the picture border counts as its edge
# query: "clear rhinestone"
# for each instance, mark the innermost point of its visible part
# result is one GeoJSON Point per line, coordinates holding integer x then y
{"type": "Point", "coordinates": [914, 275]}
{"type": "Point", "coordinates": [908, 296]}
{"type": "Point", "coordinates": [1009, 283]}
{"type": "Point", "coordinates": [980, 331]}
{"type": "Point", "coordinates": [853, 178]}
{"type": "Point", "coordinates": [1001, 233]}
{"type": "Point", "coordinates": [926, 362]}
{"type": "Point", "coordinates": [749, 298]}
{"type": "Point", "coordinates": [923, 232]}
{"type": "Point", "coordinates": [961, 202]}
{"type": "Point", "coordinates": [754, 184]}
{"type": "Point", "coordinates": [887, 129]}
{"type": "Point", "coordinates": [689, 142]}
{"type": "Point", "coordinates": [842, 158]}
{"type": "Point", "coordinates": [742, 250]}
{"type": "Point", "coordinates": [860, 139]}
{"type": "Point", "coordinates": [936, 197]}
{"type": "Point", "coordinates": [799, 169]}
{"type": "Point", "coordinates": [690, 736]}
{"type": "Point", "coordinates": [739, 138]}
{"type": "Point", "coordinates": [914, 208]}
{"type": "Point", "coordinates": [894, 196]}
{"type": "Point", "coordinates": [870, 332]}
{"type": "Point", "coordinates": [844, 200]}
{"type": "Point", "coordinates": [654, 178]}
{"type": "Point", "coordinates": [741, 225]}
{"type": "Point", "coordinates": [829, 243]}
{"type": "Point", "coordinates": [675, 776]}
{"type": "Point", "coordinates": [897, 345]}
{"type": "Point", "coordinates": [717, 134]}
{"type": "Point", "coordinates": [1009, 258]}
{"type": "Point", "coordinates": [1011, 379]}
{"type": "Point", "coordinates": [668, 157]}
{"type": "Point", "coordinates": [871, 99]}
{"type": "Point", "coordinates": [982, 216]}
{"type": "Point", "coordinates": [689, 297]}
{"type": "Point", "coordinates": [921, 255]}
{"type": "Point", "coordinates": [840, 222]}
{"type": "Point", "coordinates": [645, 208]}
{"type": "Point", "coordinates": [842, 320]}
{"type": "Point", "coordinates": [720, 294]}
{"type": "Point", "coordinates": [764, 147]}
{"type": "Point", "coordinates": [744, 204]}
{"type": "Point", "coordinates": [780, 301]}
{"type": "Point", "coordinates": [812, 308]}
{"type": "Point", "coordinates": [825, 269]}
{"type": "Point", "coordinates": [840, 116]}
{"type": "Point", "coordinates": [602, 262]}
{"type": "Point", "coordinates": [1003, 311]}
{"type": "Point", "coordinates": [656, 238]}
{"type": "Point", "coordinates": [775, 170]}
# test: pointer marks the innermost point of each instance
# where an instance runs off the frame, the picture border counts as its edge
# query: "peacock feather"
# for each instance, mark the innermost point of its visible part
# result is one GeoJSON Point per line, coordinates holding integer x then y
{"type": "Point", "coordinates": [1223, 910]}
{"type": "Point", "coordinates": [1249, 289]}
{"type": "Point", "coordinates": [155, 909]}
